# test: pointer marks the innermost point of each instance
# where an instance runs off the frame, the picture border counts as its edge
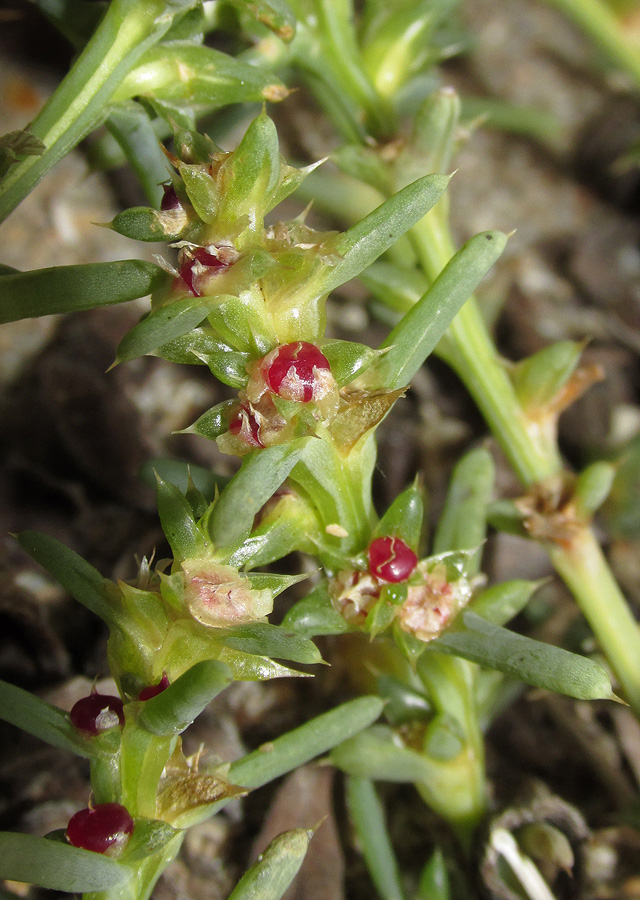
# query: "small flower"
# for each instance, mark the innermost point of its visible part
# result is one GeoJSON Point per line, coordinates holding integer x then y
{"type": "Point", "coordinates": [105, 828]}
{"type": "Point", "coordinates": [246, 427]}
{"type": "Point", "coordinates": [220, 596]}
{"type": "Point", "coordinates": [196, 266]}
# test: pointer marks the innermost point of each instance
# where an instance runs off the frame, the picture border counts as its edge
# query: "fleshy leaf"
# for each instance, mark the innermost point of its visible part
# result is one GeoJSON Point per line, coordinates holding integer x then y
{"type": "Point", "coordinates": [58, 866]}
{"type": "Point", "coordinates": [375, 753]}
{"type": "Point", "coordinates": [171, 711]}
{"type": "Point", "coordinates": [367, 814]}
{"type": "Point", "coordinates": [275, 14]}
{"type": "Point", "coordinates": [271, 640]}
{"type": "Point", "coordinates": [81, 580]}
{"type": "Point", "coordinates": [533, 662]}
{"type": "Point", "coordinates": [149, 836]}
{"type": "Point", "coordinates": [404, 518]}
{"type": "Point", "coordinates": [347, 359]}
{"type": "Point", "coordinates": [434, 879]}
{"type": "Point", "coordinates": [363, 243]}
{"type": "Point", "coordinates": [204, 78]}
{"type": "Point", "coordinates": [500, 603]}
{"type": "Point", "coordinates": [260, 476]}
{"type": "Point", "coordinates": [163, 326]}
{"type": "Point", "coordinates": [304, 743]}
{"type": "Point", "coordinates": [538, 378]}
{"type": "Point", "coordinates": [463, 523]}
{"type": "Point", "coordinates": [416, 335]}
{"type": "Point", "coordinates": [178, 523]}
{"type": "Point", "coordinates": [178, 472]}
{"type": "Point", "coordinates": [314, 615]}
{"type": "Point", "coordinates": [42, 720]}
{"type": "Point", "coordinates": [62, 289]}
{"type": "Point", "coordinates": [277, 866]}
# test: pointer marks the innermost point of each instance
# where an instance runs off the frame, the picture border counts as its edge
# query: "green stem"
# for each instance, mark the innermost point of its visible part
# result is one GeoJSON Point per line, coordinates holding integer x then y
{"type": "Point", "coordinates": [458, 790]}
{"type": "Point", "coordinates": [602, 27]}
{"type": "Point", "coordinates": [581, 564]}
{"type": "Point", "coordinates": [586, 573]}
{"type": "Point", "coordinates": [471, 352]}
{"type": "Point", "coordinates": [80, 103]}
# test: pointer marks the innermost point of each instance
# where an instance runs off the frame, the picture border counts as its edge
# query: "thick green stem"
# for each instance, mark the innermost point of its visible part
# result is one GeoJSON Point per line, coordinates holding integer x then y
{"type": "Point", "coordinates": [80, 103]}
{"type": "Point", "coordinates": [470, 351]}
{"type": "Point", "coordinates": [585, 571]}
{"type": "Point", "coordinates": [457, 789]}
{"type": "Point", "coordinates": [603, 28]}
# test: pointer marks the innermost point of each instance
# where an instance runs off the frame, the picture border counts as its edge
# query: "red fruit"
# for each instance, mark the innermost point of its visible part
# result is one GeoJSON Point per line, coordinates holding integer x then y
{"type": "Point", "coordinates": [290, 373]}
{"type": "Point", "coordinates": [97, 713]}
{"type": "Point", "coordinates": [204, 258]}
{"type": "Point", "coordinates": [100, 828]}
{"type": "Point", "coordinates": [252, 433]}
{"type": "Point", "coordinates": [391, 560]}
{"type": "Point", "coordinates": [154, 689]}
{"type": "Point", "coordinates": [170, 199]}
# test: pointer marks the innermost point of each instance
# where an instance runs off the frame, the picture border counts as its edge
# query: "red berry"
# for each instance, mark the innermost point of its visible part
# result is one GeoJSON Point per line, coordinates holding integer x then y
{"type": "Point", "coordinates": [391, 560]}
{"type": "Point", "coordinates": [97, 713]}
{"type": "Point", "coordinates": [154, 689]}
{"type": "Point", "coordinates": [170, 200]}
{"type": "Point", "coordinates": [291, 372]}
{"type": "Point", "coordinates": [204, 258]}
{"type": "Point", "coordinates": [100, 828]}
{"type": "Point", "coordinates": [252, 433]}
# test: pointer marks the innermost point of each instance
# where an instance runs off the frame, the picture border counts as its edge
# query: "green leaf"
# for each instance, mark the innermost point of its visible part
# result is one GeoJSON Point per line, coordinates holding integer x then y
{"type": "Point", "coordinates": [158, 328]}
{"type": "Point", "coordinates": [204, 78]}
{"type": "Point", "coordinates": [375, 753]}
{"type": "Point", "coordinates": [398, 287]}
{"type": "Point", "coordinates": [81, 580]}
{"type": "Point", "coordinates": [347, 359]}
{"type": "Point", "coordinates": [363, 243]}
{"type": "Point", "coordinates": [500, 603]}
{"type": "Point", "coordinates": [249, 667]}
{"type": "Point", "coordinates": [403, 703]}
{"type": "Point", "coordinates": [176, 517]}
{"type": "Point", "coordinates": [273, 641]}
{"type": "Point", "coordinates": [314, 615]}
{"type": "Point", "coordinates": [434, 879]}
{"type": "Point", "coordinates": [367, 814]}
{"type": "Point", "coordinates": [275, 14]}
{"type": "Point", "coordinates": [173, 710]}
{"type": "Point", "coordinates": [539, 378]}
{"type": "Point", "coordinates": [178, 472]}
{"type": "Point", "coordinates": [126, 30]}
{"type": "Point", "coordinates": [42, 720]}
{"type": "Point", "coordinates": [416, 335]}
{"type": "Point", "coordinates": [404, 518]}
{"type": "Point", "coordinates": [592, 487]}
{"type": "Point", "coordinates": [277, 866]}
{"type": "Point", "coordinates": [149, 836]}
{"type": "Point", "coordinates": [131, 127]}
{"type": "Point", "coordinates": [261, 474]}
{"type": "Point", "coordinates": [42, 292]}
{"type": "Point", "coordinates": [533, 662]}
{"type": "Point", "coordinates": [58, 866]}
{"type": "Point", "coordinates": [463, 523]}
{"type": "Point", "coordinates": [304, 743]}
